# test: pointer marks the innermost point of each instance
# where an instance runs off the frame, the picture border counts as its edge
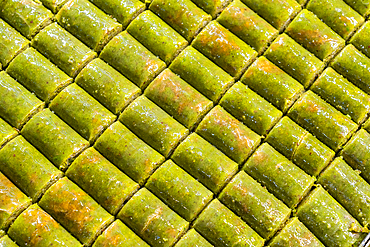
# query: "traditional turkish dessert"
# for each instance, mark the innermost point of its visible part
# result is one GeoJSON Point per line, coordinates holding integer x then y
{"type": "Point", "coordinates": [212, 7]}
{"type": "Point", "coordinates": [6, 241]}
{"type": "Point", "coordinates": [54, 5]}
{"type": "Point", "coordinates": [6, 132]}
{"type": "Point", "coordinates": [193, 238]}
{"type": "Point", "coordinates": [361, 38]}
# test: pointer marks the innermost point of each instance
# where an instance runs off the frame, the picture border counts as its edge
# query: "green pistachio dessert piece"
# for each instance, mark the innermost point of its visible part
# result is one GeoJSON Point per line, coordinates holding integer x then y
{"type": "Point", "coordinates": [309, 31]}
{"type": "Point", "coordinates": [222, 227]}
{"type": "Point", "coordinates": [118, 234]}
{"type": "Point", "coordinates": [7, 242]}
{"type": "Point", "coordinates": [299, 146]}
{"type": "Point", "coordinates": [367, 125]}
{"type": "Point", "coordinates": [88, 23]}
{"type": "Point", "coordinates": [27, 168]}
{"type": "Point", "coordinates": [212, 7]}
{"type": "Point", "coordinates": [152, 220]}
{"type": "Point", "coordinates": [82, 112]}
{"type": "Point", "coordinates": [123, 11]}
{"type": "Point", "coordinates": [250, 108]}
{"type": "Point", "coordinates": [153, 125]}
{"type": "Point", "coordinates": [280, 176]}
{"type": "Point", "coordinates": [322, 120]}
{"type": "Point", "coordinates": [38, 74]}
{"type": "Point", "coordinates": [54, 138]}
{"type": "Point", "coordinates": [132, 59]}
{"type": "Point", "coordinates": [6, 132]}
{"type": "Point", "coordinates": [357, 153]}
{"type": "Point", "coordinates": [157, 36]}
{"type": "Point", "coordinates": [17, 104]}
{"type": "Point", "coordinates": [180, 191]}
{"type": "Point", "coordinates": [54, 5]}
{"type": "Point", "coordinates": [102, 180]}
{"type": "Point", "coordinates": [343, 95]}
{"type": "Point", "coordinates": [75, 210]}
{"type": "Point", "coordinates": [204, 162]}
{"type": "Point", "coordinates": [12, 202]}
{"type": "Point", "coordinates": [255, 205]}
{"type": "Point", "coordinates": [272, 83]}
{"type": "Point", "coordinates": [248, 26]}
{"type": "Point", "coordinates": [11, 43]}
{"type": "Point", "coordinates": [329, 221]}
{"type": "Point", "coordinates": [129, 153]}
{"type": "Point", "coordinates": [63, 49]}
{"type": "Point", "coordinates": [337, 15]}
{"type": "Point", "coordinates": [201, 73]}
{"type": "Point", "coordinates": [194, 239]}
{"type": "Point", "coordinates": [294, 60]}
{"type": "Point", "coordinates": [107, 85]}
{"type": "Point", "coordinates": [34, 227]}
{"type": "Point", "coordinates": [348, 188]}
{"type": "Point", "coordinates": [357, 72]}
{"type": "Point", "coordinates": [228, 134]}
{"type": "Point", "coordinates": [361, 38]}
{"type": "Point", "coordinates": [277, 12]}
{"type": "Point", "coordinates": [27, 16]}
{"type": "Point", "coordinates": [182, 15]}
{"type": "Point", "coordinates": [224, 48]}
{"type": "Point", "coordinates": [361, 6]}
{"type": "Point", "coordinates": [178, 98]}
{"type": "Point", "coordinates": [296, 234]}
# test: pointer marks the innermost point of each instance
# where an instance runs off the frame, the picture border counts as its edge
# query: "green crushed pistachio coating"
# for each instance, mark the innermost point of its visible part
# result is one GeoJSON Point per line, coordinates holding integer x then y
{"type": "Point", "coordinates": [88, 23]}
{"type": "Point", "coordinates": [34, 227]}
{"type": "Point", "coordinates": [180, 191]}
{"type": "Point", "coordinates": [75, 210]}
{"type": "Point", "coordinates": [107, 85]}
{"type": "Point", "coordinates": [38, 74]}
{"type": "Point", "coordinates": [329, 221]}
{"type": "Point", "coordinates": [296, 61]}
{"type": "Point", "coordinates": [201, 73]}
{"type": "Point", "coordinates": [63, 49]}
{"type": "Point", "coordinates": [194, 239]}
{"type": "Point", "coordinates": [178, 99]}
{"type": "Point", "coordinates": [82, 112]}
{"type": "Point", "coordinates": [204, 162]}
{"type": "Point", "coordinates": [212, 7]}
{"type": "Point", "coordinates": [17, 104]}
{"type": "Point", "coordinates": [348, 188]}
{"type": "Point", "coordinates": [248, 26]}
{"type": "Point", "coordinates": [132, 59]}
{"type": "Point", "coordinates": [361, 38]}
{"type": "Point", "coordinates": [357, 153]}
{"type": "Point", "coordinates": [255, 205]}
{"type": "Point", "coordinates": [309, 31]}
{"type": "Point", "coordinates": [322, 120]}
{"type": "Point", "coordinates": [54, 138]}
{"type": "Point", "coordinates": [54, 5]}
{"type": "Point", "coordinates": [7, 242]}
{"type": "Point", "coordinates": [11, 43]}
{"type": "Point", "coordinates": [343, 95]}
{"type": "Point", "coordinates": [128, 152]}
{"type": "Point", "coordinates": [277, 12]}
{"type": "Point", "coordinates": [272, 83]}
{"type": "Point", "coordinates": [152, 220]}
{"type": "Point", "coordinates": [222, 227]}
{"type": "Point", "coordinates": [356, 72]}
{"type": "Point", "coordinates": [123, 11]}
{"type": "Point", "coordinates": [27, 168]}
{"type": "Point", "coordinates": [280, 176]}
{"type": "Point", "coordinates": [250, 108]}
{"type": "Point", "coordinates": [157, 36]}
{"type": "Point", "coordinates": [228, 134]}
{"type": "Point", "coordinates": [118, 234]}
{"type": "Point", "coordinates": [224, 48]}
{"type": "Point", "coordinates": [367, 125]}
{"type": "Point", "coordinates": [299, 146]}
{"type": "Point", "coordinates": [12, 202]}
{"type": "Point", "coordinates": [153, 125]}
{"type": "Point", "coordinates": [361, 6]}
{"type": "Point", "coordinates": [6, 132]}
{"type": "Point", "coordinates": [102, 180]}
{"type": "Point", "coordinates": [337, 15]}
{"type": "Point", "coordinates": [182, 15]}
{"type": "Point", "coordinates": [295, 234]}
{"type": "Point", "coordinates": [27, 16]}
